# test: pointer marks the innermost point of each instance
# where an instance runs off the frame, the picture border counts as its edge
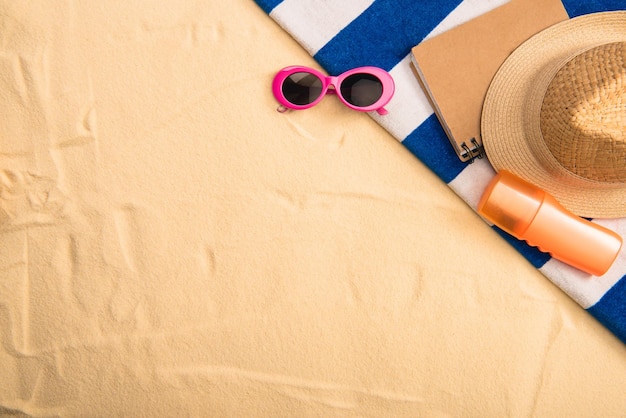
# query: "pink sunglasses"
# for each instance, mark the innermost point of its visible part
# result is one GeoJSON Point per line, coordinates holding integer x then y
{"type": "Point", "coordinates": [363, 89]}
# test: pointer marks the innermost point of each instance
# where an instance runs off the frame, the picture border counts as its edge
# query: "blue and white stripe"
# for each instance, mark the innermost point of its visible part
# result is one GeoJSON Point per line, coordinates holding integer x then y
{"type": "Point", "coordinates": [345, 34]}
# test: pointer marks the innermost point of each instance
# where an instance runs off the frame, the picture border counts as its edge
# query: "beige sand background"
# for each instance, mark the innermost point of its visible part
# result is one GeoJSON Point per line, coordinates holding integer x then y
{"type": "Point", "coordinates": [170, 245]}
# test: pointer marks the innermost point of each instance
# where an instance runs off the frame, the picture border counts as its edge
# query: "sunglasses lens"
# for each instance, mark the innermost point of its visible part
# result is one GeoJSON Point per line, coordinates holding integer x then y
{"type": "Point", "coordinates": [302, 88]}
{"type": "Point", "coordinates": [361, 90]}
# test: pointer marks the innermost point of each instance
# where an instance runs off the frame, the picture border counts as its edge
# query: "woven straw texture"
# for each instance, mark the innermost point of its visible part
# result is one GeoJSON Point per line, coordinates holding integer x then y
{"type": "Point", "coordinates": [583, 117]}
{"type": "Point", "coordinates": [555, 114]}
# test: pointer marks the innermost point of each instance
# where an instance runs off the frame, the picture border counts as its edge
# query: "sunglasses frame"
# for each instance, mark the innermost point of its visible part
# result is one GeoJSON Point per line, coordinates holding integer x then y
{"type": "Point", "coordinates": [385, 78]}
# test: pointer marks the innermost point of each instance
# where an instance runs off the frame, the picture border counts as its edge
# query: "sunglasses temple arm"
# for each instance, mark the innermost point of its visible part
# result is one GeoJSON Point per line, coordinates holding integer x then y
{"type": "Point", "coordinates": [382, 111]}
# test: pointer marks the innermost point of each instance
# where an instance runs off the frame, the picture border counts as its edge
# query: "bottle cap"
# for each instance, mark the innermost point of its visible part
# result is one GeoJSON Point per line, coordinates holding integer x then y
{"type": "Point", "coordinates": [511, 203]}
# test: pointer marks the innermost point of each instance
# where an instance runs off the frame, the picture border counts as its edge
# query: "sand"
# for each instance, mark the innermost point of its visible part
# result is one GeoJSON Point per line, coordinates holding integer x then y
{"type": "Point", "coordinates": [170, 245]}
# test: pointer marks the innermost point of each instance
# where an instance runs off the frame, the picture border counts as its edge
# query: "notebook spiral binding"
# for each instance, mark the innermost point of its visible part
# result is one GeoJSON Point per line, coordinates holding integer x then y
{"type": "Point", "coordinates": [473, 152]}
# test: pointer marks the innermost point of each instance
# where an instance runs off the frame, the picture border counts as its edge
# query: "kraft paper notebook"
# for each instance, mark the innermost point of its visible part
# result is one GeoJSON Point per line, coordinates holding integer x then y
{"type": "Point", "coordinates": [456, 67]}
{"type": "Point", "coordinates": [343, 35]}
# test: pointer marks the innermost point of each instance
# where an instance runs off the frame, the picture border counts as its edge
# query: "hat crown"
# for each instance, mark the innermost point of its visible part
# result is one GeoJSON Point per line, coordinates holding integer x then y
{"type": "Point", "coordinates": [583, 114]}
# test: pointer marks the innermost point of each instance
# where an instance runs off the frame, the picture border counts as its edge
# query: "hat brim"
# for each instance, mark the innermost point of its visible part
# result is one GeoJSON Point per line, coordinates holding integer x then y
{"type": "Point", "coordinates": [510, 127]}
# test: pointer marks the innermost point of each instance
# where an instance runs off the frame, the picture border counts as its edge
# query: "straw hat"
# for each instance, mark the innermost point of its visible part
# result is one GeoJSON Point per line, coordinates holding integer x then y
{"type": "Point", "coordinates": [555, 114]}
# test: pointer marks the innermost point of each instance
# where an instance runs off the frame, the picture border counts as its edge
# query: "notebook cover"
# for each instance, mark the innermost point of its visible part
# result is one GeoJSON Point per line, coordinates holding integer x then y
{"type": "Point", "coordinates": [456, 67]}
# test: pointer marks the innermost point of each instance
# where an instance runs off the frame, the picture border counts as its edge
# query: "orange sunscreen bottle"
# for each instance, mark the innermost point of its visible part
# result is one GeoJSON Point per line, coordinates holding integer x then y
{"type": "Point", "coordinates": [531, 214]}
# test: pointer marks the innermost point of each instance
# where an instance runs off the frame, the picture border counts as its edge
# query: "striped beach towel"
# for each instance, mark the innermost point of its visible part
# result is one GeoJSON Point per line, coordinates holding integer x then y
{"type": "Point", "coordinates": [343, 34]}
